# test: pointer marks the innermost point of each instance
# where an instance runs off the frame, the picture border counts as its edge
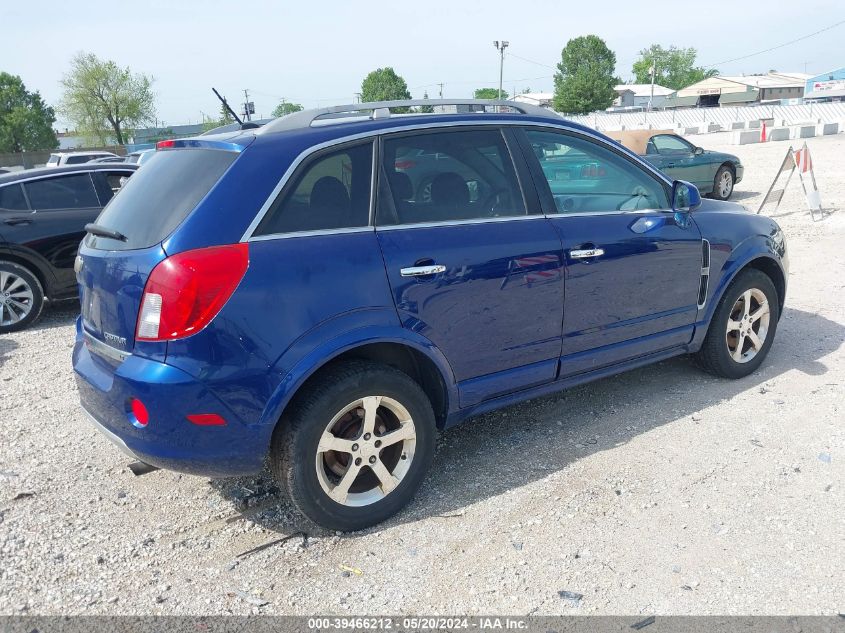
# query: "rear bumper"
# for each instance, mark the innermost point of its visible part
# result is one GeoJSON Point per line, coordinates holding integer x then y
{"type": "Point", "coordinates": [169, 440]}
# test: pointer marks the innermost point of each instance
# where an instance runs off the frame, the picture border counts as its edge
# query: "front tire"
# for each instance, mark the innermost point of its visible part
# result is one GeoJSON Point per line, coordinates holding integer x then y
{"type": "Point", "coordinates": [743, 327]}
{"type": "Point", "coordinates": [21, 297]}
{"type": "Point", "coordinates": [355, 445]}
{"type": "Point", "coordinates": [723, 183]}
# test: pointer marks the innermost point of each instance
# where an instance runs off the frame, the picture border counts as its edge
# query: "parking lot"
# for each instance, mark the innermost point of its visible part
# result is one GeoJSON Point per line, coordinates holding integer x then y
{"type": "Point", "coordinates": [663, 490]}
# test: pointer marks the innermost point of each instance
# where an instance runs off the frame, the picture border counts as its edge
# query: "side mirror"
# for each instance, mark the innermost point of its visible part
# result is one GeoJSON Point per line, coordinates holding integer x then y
{"type": "Point", "coordinates": [698, 151]}
{"type": "Point", "coordinates": [685, 196]}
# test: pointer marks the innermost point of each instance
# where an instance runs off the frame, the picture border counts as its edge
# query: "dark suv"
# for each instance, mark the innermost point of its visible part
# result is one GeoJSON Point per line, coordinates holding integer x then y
{"type": "Point", "coordinates": [43, 213]}
{"type": "Point", "coordinates": [327, 291]}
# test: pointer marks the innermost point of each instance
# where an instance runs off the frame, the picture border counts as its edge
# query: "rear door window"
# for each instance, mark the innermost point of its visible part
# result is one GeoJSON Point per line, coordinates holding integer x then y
{"type": "Point", "coordinates": [448, 176]}
{"type": "Point", "coordinates": [332, 192]}
{"type": "Point", "coordinates": [155, 200]}
{"type": "Point", "coordinates": [76, 160]}
{"type": "Point", "coordinates": [75, 191]}
{"type": "Point", "coordinates": [12, 198]}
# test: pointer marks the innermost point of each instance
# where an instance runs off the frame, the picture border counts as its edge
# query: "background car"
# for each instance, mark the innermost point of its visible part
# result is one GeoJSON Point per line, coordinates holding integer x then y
{"type": "Point", "coordinates": [43, 213]}
{"type": "Point", "coordinates": [714, 173]}
{"type": "Point", "coordinates": [59, 159]}
{"type": "Point", "coordinates": [109, 159]}
{"type": "Point", "coordinates": [140, 157]}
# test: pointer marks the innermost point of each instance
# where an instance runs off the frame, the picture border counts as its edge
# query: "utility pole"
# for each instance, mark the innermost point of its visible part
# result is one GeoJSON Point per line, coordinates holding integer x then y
{"type": "Point", "coordinates": [501, 46]}
{"type": "Point", "coordinates": [441, 89]}
{"type": "Point", "coordinates": [246, 105]}
{"type": "Point", "coordinates": [653, 73]}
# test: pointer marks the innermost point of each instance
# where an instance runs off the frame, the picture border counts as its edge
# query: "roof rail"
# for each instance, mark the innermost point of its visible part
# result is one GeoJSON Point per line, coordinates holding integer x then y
{"type": "Point", "coordinates": [381, 110]}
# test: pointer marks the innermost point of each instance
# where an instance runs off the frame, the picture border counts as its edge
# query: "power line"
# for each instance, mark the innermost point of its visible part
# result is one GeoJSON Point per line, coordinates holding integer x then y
{"type": "Point", "coordinates": [531, 61]}
{"type": "Point", "coordinates": [773, 48]}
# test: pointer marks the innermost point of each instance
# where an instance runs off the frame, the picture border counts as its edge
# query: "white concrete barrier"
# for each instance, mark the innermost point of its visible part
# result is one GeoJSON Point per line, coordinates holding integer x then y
{"type": "Point", "coordinates": [738, 125]}
{"type": "Point", "coordinates": [823, 129]}
{"type": "Point", "coordinates": [746, 137]}
{"type": "Point", "coordinates": [754, 125]}
{"type": "Point", "coordinates": [779, 134]}
{"type": "Point", "coordinates": [689, 130]}
{"type": "Point", "coordinates": [804, 131]}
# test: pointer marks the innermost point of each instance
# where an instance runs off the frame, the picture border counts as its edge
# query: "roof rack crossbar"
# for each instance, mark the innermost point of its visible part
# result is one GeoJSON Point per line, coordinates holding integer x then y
{"type": "Point", "coordinates": [381, 109]}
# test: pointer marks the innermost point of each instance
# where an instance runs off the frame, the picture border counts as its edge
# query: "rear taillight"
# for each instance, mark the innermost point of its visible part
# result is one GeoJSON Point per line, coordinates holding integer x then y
{"type": "Point", "coordinates": [186, 291]}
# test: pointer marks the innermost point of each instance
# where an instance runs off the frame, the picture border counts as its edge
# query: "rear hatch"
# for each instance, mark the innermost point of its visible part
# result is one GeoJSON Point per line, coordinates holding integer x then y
{"type": "Point", "coordinates": [112, 272]}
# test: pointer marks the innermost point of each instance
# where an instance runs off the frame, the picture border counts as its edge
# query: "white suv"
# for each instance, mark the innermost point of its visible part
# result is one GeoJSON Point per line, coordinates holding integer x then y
{"type": "Point", "coordinates": [75, 158]}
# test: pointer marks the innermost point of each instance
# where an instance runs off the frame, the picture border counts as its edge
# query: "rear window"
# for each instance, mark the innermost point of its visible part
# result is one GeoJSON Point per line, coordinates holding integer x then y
{"type": "Point", "coordinates": [53, 160]}
{"type": "Point", "coordinates": [158, 197]}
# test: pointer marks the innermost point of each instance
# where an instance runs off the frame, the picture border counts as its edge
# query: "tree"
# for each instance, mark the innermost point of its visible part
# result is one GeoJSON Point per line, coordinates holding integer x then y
{"type": "Point", "coordinates": [102, 99]}
{"type": "Point", "coordinates": [383, 84]}
{"type": "Point", "coordinates": [584, 81]}
{"type": "Point", "coordinates": [674, 67]}
{"type": "Point", "coordinates": [286, 108]}
{"type": "Point", "coordinates": [489, 93]}
{"type": "Point", "coordinates": [26, 122]}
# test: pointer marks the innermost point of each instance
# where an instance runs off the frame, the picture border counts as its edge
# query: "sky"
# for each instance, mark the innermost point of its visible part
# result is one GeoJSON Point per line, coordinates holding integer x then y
{"type": "Point", "coordinates": [317, 53]}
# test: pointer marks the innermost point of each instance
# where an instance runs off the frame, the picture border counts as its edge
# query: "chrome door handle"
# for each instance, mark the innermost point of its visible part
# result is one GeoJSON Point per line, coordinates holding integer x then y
{"type": "Point", "coordinates": [419, 271]}
{"type": "Point", "coordinates": [587, 252]}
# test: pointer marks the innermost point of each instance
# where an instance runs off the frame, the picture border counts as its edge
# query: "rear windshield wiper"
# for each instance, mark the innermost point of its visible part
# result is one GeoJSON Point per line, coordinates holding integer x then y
{"type": "Point", "coordinates": [102, 231]}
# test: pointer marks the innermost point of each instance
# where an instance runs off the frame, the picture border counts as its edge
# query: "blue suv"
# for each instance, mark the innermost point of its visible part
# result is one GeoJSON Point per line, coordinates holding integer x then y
{"type": "Point", "coordinates": [326, 292]}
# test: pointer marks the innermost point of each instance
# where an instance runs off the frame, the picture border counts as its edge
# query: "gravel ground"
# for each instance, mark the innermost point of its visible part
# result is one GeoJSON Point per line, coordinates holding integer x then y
{"type": "Point", "coordinates": [662, 490]}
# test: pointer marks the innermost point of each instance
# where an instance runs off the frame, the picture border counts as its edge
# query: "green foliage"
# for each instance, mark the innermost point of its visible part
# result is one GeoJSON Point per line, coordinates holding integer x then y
{"type": "Point", "coordinates": [489, 93]}
{"type": "Point", "coordinates": [383, 84]}
{"type": "Point", "coordinates": [26, 122]}
{"type": "Point", "coordinates": [286, 108]}
{"type": "Point", "coordinates": [584, 81]}
{"type": "Point", "coordinates": [104, 100]}
{"type": "Point", "coordinates": [674, 67]}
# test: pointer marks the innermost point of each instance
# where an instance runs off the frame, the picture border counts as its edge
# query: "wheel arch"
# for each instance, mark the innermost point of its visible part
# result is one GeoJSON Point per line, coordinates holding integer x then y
{"type": "Point", "coordinates": [419, 359]}
{"type": "Point", "coordinates": [37, 271]}
{"type": "Point", "coordinates": [757, 260]}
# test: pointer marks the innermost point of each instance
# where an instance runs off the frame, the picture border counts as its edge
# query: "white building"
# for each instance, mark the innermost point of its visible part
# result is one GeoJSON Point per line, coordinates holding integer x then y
{"type": "Point", "coordinates": [741, 90]}
{"type": "Point", "coordinates": [638, 95]}
{"type": "Point", "coordinates": [542, 99]}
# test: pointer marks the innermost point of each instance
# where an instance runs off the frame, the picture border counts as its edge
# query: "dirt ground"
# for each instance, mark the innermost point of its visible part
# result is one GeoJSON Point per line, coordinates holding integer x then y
{"type": "Point", "coordinates": [660, 491]}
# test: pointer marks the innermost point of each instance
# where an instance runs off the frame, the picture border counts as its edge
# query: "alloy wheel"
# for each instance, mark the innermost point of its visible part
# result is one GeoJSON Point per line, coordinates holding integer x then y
{"type": "Point", "coordinates": [365, 451]}
{"type": "Point", "coordinates": [726, 184]}
{"type": "Point", "coordinates": [748, 325]}
{"type": "Point", "coordinates": [16, 298]}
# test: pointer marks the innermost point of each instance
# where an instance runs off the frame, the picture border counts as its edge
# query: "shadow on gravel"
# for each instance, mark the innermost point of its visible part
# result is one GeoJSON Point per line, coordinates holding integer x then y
{"type": "Point", "coordinates": [58, 314]}
{"type": "Point", "coordinates": [7, 344]}
{"type": "Point", "coordinates": [496, 452]}
{"type": "Point", "coordinates": [736, 196]}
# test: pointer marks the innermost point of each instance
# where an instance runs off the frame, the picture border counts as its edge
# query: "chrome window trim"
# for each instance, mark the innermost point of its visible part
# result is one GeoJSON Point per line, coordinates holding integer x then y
{"type": "Point", "coordinates": [375, 134]}
{"type": "Point", "coordinates": [63, 174]}
{"type": "Point", "coordinates": [428, 225]}
{"type": "Point", "coordinates": [286, 236]}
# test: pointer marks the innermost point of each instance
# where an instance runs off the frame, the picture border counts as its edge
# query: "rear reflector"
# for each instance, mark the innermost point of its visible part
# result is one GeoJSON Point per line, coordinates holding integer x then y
{"type": "Point", "coordinates": [206, 419]}
{"type": "Point", "coordinates": [139, 412]}
{"type": "Point", "coordinates": [186, 291]}
{"type": "Point", "coordinates": [165, 144]}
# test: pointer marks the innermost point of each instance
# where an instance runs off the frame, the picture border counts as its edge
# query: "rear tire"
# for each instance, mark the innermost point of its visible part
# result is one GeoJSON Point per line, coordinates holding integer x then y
{"type": "Point", "coordinates": [723, 183]}
{"type": "Point", "coordinates": [21, 297]}
{"type": "Point", "coordinates": [355, 445]}
{"type": "Point", "coordinates": [743, 327]}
